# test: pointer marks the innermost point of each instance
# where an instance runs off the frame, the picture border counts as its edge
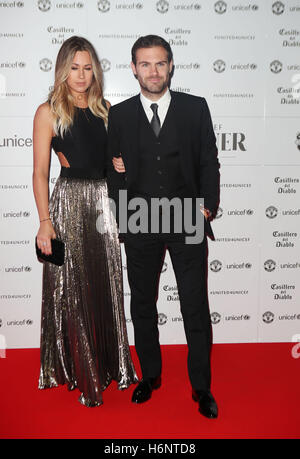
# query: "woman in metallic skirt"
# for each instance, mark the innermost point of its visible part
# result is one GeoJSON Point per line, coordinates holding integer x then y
{"type": "Point", "coordinates": [84, 340]}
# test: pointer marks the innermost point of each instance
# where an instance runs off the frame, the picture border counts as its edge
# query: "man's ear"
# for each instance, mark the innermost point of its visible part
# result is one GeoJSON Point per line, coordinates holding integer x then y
{"type": "Point", "coordinates": [133, 69]}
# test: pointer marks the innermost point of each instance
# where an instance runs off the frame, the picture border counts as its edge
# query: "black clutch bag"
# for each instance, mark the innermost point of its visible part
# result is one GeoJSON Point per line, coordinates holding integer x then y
{"type": "Point", "coordinates": [58, 252]}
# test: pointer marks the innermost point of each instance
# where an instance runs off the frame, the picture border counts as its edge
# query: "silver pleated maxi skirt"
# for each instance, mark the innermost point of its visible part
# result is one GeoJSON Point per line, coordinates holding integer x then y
{"type": "Point", "coordinates": [84, 341]}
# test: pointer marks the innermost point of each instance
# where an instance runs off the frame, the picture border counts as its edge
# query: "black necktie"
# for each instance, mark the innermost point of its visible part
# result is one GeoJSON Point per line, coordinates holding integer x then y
{"type": "Point", "coordinates": [155, 122]}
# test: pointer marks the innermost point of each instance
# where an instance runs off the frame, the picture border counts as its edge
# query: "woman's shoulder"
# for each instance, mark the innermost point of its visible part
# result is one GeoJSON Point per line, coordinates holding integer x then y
{"type": "Point", "coordinates": [43, 119]}
{"type": "Point", "coordinates": [43, 112]}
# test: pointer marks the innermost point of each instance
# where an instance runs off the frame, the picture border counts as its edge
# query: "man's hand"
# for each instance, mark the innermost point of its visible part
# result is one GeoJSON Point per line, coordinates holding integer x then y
{"type": "Point", "coordinates": [206, 212]}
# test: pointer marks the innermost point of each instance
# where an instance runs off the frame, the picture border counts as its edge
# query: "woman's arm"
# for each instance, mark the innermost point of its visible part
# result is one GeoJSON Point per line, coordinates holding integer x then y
{"type": "Point", "coordinates": [42, 135]}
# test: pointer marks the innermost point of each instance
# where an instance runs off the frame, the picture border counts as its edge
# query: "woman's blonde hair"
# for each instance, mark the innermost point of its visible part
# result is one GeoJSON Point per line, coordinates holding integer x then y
{"type": "Point", "coordinates": [60, 99]}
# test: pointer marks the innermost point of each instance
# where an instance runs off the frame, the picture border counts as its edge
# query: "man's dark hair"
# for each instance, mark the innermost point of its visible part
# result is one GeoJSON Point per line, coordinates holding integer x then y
{"type": "Point", "coordinates": [149, 41]}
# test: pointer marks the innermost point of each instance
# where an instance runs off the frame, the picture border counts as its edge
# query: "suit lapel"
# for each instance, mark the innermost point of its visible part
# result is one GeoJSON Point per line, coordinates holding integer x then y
{"type": "Point", "coordinates": [181, 120]}
{"type": "Point", "coordinates": [132, 124]}
{"type": "Point", "coordinates": [181, 117]}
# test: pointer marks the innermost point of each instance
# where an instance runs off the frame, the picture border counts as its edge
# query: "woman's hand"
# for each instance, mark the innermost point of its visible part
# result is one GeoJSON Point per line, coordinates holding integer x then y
{"type": "Point", "coordinates": [118, 164]}
{"type": "Point", "coordinates": [44, 236]}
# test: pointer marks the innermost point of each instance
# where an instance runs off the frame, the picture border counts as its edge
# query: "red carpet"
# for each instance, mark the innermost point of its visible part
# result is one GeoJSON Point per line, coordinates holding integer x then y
{"type": "Point", "coordinates": [256, 387]}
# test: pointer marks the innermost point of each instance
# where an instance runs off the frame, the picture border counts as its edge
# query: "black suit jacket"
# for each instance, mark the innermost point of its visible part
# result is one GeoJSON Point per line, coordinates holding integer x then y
{"type": "Point", "coordinates": [198, 151]}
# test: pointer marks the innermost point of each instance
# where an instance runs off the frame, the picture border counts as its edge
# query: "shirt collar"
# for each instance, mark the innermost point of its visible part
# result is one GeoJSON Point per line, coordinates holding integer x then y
{"type": "Point", "coordinates": [165, 99]}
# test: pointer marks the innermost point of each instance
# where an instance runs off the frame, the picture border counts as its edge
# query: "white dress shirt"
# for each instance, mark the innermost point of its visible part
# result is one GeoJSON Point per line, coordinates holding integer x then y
{"type": "Point", "coordinates": [163, 106]}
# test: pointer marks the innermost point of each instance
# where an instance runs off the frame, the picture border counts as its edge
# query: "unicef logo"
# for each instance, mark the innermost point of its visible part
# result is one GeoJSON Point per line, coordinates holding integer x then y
{"type": "Point", "coordinates": [103, 6]}
{"type": "Point", "coordinates": [220, 7]}
{"type": "Point", "coordinates": [162, 319]}
{"type": "Point", "coordinates": [271, 212]}
{"type": "Point", "coordinates": [269, 265]}
{"type": "Point", "coordinates": [215, 318]}
{"type": "Point", "coordinates": [268, 317]}
{"type": "Point", "coordinates": [278, 8]}
{"type": "Point", "coordinates": [44, 5]}
{"type": "Point", "coordinates": [162, 6]}
{"type": "Point", "coordinates": [297, 142]}
{"type": "Point", "coordinates": [45, 65]}
{"type": "Point", "coordinates": [219, 66]}
{"type": "Point", "coordinates": [215, 266]}
{"type": "Point", "coordinates": [106, 65]}
{"type": "Point", "coordinates": [276, 66]}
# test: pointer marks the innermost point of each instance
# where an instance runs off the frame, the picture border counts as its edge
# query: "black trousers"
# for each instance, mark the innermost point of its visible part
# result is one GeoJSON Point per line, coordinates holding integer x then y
{"type": "Point", "coordinates": [145, 254]}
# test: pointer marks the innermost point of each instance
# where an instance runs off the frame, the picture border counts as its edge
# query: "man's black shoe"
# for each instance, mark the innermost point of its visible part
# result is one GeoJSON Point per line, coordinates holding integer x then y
{"type": "Point", "coordinates": [143, 391]}
{"type": "Point", "coordinates": [207, 404]}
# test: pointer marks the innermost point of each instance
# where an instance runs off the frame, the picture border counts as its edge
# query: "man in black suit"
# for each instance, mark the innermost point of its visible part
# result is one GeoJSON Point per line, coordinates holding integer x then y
{"type": "Point", "coordinates": [168, 149]}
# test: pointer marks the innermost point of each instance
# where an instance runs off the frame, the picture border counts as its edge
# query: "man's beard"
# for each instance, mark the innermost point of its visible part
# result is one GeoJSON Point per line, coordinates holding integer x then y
{"type": "Point", "coordinates": [154, 88]}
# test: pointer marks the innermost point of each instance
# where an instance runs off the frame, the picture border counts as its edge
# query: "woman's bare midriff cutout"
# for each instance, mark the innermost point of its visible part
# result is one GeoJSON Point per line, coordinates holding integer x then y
{"type": "Point", "coordinates": [62, 159]}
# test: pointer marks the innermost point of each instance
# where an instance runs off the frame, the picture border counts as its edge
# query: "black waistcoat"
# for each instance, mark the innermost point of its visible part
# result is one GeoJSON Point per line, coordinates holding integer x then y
{"type": "Point", "coordinates": [159, 172]}
{"type": "Point", "coordinates": [159, 162]}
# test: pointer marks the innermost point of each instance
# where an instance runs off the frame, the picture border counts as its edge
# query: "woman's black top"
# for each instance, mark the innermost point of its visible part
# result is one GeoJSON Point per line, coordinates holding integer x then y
{"type": "Point", "coordinates": [83, 146]}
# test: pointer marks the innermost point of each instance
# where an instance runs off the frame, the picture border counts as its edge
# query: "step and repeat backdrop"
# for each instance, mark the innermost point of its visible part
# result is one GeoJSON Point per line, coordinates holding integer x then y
{"type": "Point", "coordinates": [243, 56]}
